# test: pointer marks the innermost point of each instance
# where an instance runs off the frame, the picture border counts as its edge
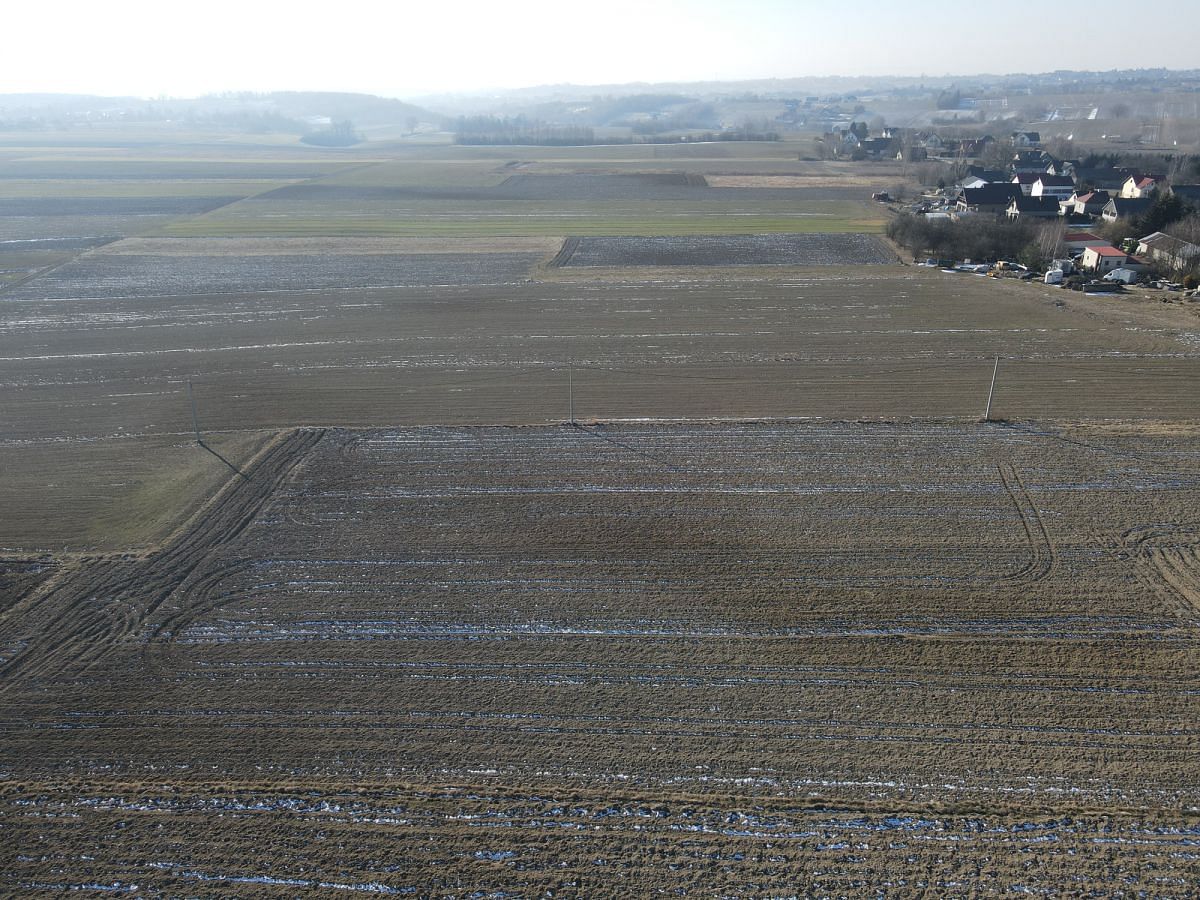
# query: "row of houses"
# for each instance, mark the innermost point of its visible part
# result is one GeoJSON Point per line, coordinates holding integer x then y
{"type": "Point", "coordinates": [1157, 250]}
{"type": "Point", "coordinates": [1044, 195]}
{"type": "Point", "coordinates": [894, 143]}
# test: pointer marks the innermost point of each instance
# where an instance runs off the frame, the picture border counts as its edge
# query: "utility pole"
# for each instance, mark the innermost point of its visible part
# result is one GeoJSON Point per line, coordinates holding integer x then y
{"type": "Point", "coordinates": [192, 403]}
{"type": "Point", "coordinates": [987, 413]}
{"type": "Point", "coordinates": [571, 389]}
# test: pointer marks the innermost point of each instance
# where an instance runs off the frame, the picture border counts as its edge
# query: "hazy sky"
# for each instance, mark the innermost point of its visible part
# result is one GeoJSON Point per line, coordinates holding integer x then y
{"type": "Point", "coordinates": [406, 49]}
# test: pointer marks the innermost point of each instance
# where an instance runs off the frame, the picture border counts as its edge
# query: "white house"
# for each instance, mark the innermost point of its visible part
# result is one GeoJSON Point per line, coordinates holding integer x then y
{"type": "Point", "coordinates": [1138, 186]}
{"type": "Point", "coordinates": [1123, 208]}
{"type": "Point", "coordinates": [1103, 259]}
{"type": "Point", "coordinates": [1060, 187]}
{"type": "Point", "coordinates": [1091, 203]}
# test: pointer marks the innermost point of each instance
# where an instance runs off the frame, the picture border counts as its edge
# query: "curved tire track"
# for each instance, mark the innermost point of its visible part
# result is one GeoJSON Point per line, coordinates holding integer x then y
{"type": "Point", "coordinates": [1043, 553]}
{"type": "Point", "coordinates": [107, 602]}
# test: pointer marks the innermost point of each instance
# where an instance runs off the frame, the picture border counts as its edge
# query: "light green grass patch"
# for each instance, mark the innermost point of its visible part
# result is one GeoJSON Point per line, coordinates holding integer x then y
{"type": "Point", "coordinates": [499, 225]}
{"type": "Point", "coordinates": [208, 187]}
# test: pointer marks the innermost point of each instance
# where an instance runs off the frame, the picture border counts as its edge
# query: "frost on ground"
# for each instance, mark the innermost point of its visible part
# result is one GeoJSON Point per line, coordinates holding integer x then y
{"type": "Point", "coordinates": [731, 250]}
{"type": "Point", "coordinates": [711, 654]}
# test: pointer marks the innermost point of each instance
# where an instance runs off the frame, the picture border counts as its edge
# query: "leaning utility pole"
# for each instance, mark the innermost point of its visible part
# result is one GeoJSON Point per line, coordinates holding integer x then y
{"type": "Point", "coordinates": [987, 413]}
{"type": "Point", "coordinates": [192, 403]}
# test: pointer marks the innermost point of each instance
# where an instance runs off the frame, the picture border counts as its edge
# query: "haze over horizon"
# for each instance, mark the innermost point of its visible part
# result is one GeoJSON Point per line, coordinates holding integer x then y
{"type": "Point", "coordinates": [471, 47]}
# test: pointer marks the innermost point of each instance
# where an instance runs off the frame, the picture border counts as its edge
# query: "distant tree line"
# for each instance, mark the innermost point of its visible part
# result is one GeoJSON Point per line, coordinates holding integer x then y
{"type": "Point", "coordinates": [338, 134]}
{"type": "Point", "coordinates": [493, 130]}
{"type": "Point", "coordinates": [980, 238]}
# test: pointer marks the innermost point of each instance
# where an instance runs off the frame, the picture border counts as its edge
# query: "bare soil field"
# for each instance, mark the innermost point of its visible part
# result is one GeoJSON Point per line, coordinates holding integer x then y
{"type": "Point", "coordinates": [120, 275]}
{"type": "Point", "coordinates": [709, 658]}
{"type": "Point", "coordinates": [774, 614]}
{"type": "Point", "coordinates": [109, 206]}
{"type": "Point", "coordinates": [730, 250]}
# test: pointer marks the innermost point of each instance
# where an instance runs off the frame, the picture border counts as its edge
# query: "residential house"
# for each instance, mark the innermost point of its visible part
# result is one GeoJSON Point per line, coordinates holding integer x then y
{"type": "Point", "coordinates": [1091, 203]}
{"type": "Point", "coordinates": [1032, 161]}
{"type": "Point", "coordinates": [1081, 240]}
{"type": "Point", "coordinates": [991, 198]}
{"type": "Point", "coordinates": [987, 175]}
{"type": "Point", "coordinates": [1059, 187]}
{"type": "Point", "coordinates": [1066, 167]}
{"type": "Point", "coordinates": [1188, 193]}
{"type": "Point", "coordinates": [1033, 207]}
{"type": "Point", "coordinates": [1026, 139]}
{"type": "Point", "coordinates": [878, 148]}
{"type": "Point", "coordinates": [1137, 186]}
{"type": "Point", "coordinates": [1103, 259]}
{"type": "Point", "coordinates": [1123, 208]}
{"type": "Point", "coordinates": [1170, 252]}
{"type": "Point", "coordinates": [1108, 178]}
{"type": "Point", "coordinates": [930, 142]}
{"type": "Point", "coordinates": [1027, 180]}
{"type": "Point", "coordinates": [975, 148]}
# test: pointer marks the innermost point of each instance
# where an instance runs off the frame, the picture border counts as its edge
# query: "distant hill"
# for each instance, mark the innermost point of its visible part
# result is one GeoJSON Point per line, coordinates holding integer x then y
{"type": "Point", "coordinates": [364, 110]}
{"type": "Point", "coordinates": [288, 112]}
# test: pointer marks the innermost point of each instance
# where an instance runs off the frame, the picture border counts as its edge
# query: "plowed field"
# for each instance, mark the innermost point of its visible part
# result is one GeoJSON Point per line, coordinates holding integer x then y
{"type": "Point", "coordinates": [715, 658]}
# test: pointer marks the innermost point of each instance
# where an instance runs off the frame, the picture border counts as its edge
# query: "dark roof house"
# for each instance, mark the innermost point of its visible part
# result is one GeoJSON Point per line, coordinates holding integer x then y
{"type": "Point", "coordinates": [1124, 207]}
{"type": "Point", "coordinates": [1033, 207]}
{"type": "Point", "coordinates": [1189, 193]}
{"type": "Point", "coordinates": [993, 198]}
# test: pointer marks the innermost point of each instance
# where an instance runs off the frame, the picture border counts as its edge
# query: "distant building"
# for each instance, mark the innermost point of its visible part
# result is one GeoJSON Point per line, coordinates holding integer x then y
{"type": "Point", "coordinates": [1102, 179]}
{"type": "Point", "coordinates": [1169, 251]}
{"type": "Point", "coordinates": [1032, 161]}
{"type": "Point", "coordinates": [1103, 259]}
{"type": "Point", "coordinates": [1057, 186]}
{"type": "Point", "coordinates": [1026, 139]}
{"type": "Point", "coordinates": [1081, 240]}
{"type": "Point", "coordinates": [1137, 186]}
{"type": "Point", "coordinates": [1188, 193]}
{"type": "Point", "coordinates": [1027, 180]}
{"type": "Point", "coordinates": [1091, 203]}
{"type": "Point", "coordinates": [991, 198]}
{"type": "Point", "coordinates": [1033, 208]}
{"type": "Point", "coordinates": [1122, 208]}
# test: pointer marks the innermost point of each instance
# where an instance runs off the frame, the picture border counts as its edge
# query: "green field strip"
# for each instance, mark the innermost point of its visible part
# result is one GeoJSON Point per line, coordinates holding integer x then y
{"type": "Point", "coordinates": [519, 226]}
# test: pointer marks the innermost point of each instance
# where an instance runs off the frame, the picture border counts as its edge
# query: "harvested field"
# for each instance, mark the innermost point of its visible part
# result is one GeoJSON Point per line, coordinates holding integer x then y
{"type": "Point", "coordinates": [68, 167]}
{"type": "Point", "coordinates": [711, 656]}
{"type": "Point", "coordinates": [360, 246]}
{"type": "Point", "coordinates": [101, 275]}
{"type": "Point", "coordinates": [729, 250]}
{"type": "Point", "coordinates": [880, 342]}
{"type": "Point", "coordinates": [20, 228]}
{"type": "Point", "coordinates": [109, 206]}
{"type": "Point", "coordinates": [774, 615]}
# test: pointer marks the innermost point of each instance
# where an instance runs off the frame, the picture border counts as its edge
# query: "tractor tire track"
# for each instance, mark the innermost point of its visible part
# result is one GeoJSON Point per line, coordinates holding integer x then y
{"type": "Point", "coordinates": [107, 602]}
{"type": "Point", "coordinates": [1043, 553]}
